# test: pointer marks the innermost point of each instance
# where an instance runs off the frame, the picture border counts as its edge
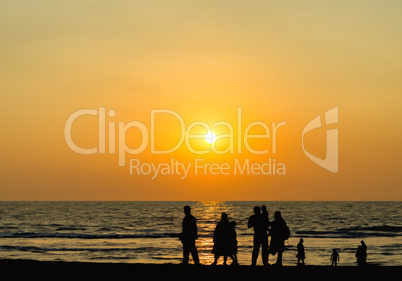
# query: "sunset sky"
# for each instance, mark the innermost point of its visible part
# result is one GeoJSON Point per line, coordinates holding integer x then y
{"type": "Point", "coordinates": [275, 61]}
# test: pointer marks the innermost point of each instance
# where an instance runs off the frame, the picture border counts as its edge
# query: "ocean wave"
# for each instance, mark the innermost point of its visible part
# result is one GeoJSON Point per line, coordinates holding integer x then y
{"type": "Point", "coordinates": [88, 249]}
{"type": "Point", "coordinates": [70, 228]}
{"type": "Point", "coordinates": [385, 228]}
{"type": "Point", "coordinates": [166, 258]}
{"type": "Point", "coordinates": [84, 236]}
{"type": "Point", "coordinates": [354, 232]}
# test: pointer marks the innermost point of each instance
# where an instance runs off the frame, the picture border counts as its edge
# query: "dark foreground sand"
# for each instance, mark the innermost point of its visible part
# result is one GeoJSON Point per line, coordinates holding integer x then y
{"type": "Point", "coordinates": [115, 271]}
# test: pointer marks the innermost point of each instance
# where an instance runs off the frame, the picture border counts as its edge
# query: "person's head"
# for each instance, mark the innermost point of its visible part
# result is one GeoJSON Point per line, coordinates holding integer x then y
{"type": "Point", "coordinates": [334, 250]}
{"type": "Point", "coordinates": [264, 208]}
{"type": "Point", "coordinates": [301, 240]}
{"type": "Point", "coordinates": [363, 244]}
{"type": "Point", "coordinates": [233, 223]}
{"type": "Point", "coordinates": [277, 215]}
{"type": "Point", "coordinates": [187, 210]}
{"type": "Point", "coordinates": [257, 210]}
{"type": "Point", "coordinates": [224, 216]}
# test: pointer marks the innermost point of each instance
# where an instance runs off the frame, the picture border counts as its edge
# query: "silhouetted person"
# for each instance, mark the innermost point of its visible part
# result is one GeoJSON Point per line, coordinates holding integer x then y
{"type": "Point", "coordinates": [260, 225]}
{"type": "Point", "coordinates": [188, 236]}
{"type": "Point", "coordinates": [279, 233]}
{"type": "Point", "coordinates": [221, 244]}
{"type": "Point", "coordinates": [361, 254]}
{"type": "Point", "coordinates": [225, 243]}
{"type": "Point", "coordinates": [334, 257]}
{"type": "Point", "coordinates": [300, 253]}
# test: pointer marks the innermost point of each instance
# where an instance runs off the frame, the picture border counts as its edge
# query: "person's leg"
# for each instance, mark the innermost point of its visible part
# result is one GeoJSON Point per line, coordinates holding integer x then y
{"type": "Point", "coordinates": [186, 253]}
{"type": "Point", "coordinates": [279, 260]}
{"type": "Point", "coordinates": [216, 257]}
{"type": "Point", "coordinates": [234, 257]}
{"type": "Point", "coordinates": [265, 250]}
{"type": "Point", "coordinates": [225, 258]}
{"type": "Point", "coordinates": [194, 254]}
{"type": "Point", "coordinates": [256, 249]}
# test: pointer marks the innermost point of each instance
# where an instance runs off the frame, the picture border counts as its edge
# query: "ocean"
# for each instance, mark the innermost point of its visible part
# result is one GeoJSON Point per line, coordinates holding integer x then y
{"type": "Point", "coordinates": [147, 232]}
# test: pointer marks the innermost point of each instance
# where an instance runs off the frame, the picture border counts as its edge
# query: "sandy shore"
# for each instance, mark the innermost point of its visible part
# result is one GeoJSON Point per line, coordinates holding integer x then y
{"type": "Point", "coordinates": [113, 270]}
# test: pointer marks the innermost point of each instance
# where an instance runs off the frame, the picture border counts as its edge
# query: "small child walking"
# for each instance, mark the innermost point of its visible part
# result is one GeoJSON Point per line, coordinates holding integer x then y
{"type": "Point", "coordinates": [334, 257]}
{"type": "Point", "coordinates": [300, 253]}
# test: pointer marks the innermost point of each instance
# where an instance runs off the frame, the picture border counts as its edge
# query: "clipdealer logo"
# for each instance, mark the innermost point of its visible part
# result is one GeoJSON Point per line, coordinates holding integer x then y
{"type": "Point", "coordinates": [237, 138]}
{"type": "Point", "coordinates": [330, 162]}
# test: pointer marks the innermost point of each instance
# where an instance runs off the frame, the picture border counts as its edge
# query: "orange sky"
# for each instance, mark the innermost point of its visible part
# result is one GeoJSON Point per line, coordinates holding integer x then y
{"type": "Point", "coordinates": [279, 61]}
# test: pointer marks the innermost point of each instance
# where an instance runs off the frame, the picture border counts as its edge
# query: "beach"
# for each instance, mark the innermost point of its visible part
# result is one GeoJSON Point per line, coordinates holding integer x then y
{"type": "Point", "coordinates": [46, 270]}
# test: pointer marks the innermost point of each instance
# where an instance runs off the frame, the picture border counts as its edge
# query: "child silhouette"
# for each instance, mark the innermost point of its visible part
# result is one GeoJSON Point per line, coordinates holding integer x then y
{"type": "Point", "coordinates": [334, 257]}
{"type": "Point", "coordinates": [300, 253]}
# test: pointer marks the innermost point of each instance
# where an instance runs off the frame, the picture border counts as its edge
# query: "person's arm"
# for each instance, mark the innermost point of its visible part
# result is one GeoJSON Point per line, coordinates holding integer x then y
{"type": "Point", "coordinates": [182, 231]}
{"type": "Point", "coordinates": [195, 229]}
{"type": "Point", "coordinates": [250, 222]}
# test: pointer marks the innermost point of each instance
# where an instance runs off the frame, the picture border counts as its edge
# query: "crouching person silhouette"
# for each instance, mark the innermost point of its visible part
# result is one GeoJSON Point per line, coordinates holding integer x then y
{"type": "Point", "coordinates": [188, 236]}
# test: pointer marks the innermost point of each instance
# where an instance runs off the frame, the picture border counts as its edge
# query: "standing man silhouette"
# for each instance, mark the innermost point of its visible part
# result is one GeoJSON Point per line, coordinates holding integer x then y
{"type": "Point", "coordinates": [188, 236]}
{"type": "Point", "coordinates": [258, 222]}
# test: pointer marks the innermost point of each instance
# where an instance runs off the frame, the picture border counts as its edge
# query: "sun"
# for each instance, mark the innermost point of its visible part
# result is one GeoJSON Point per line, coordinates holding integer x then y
{"type": "Point", "coordinates": [210, 137]}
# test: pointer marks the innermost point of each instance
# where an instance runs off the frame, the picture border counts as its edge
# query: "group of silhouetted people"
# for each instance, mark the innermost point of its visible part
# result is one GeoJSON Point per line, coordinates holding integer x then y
{"type": "Point", "coordinates": [225, 241]}
{"type": "Point", "coordinates": [277, 229]}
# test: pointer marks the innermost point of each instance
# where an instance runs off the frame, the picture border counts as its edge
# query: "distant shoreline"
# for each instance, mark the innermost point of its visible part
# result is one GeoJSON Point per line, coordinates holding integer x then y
{"type": "Point", "coordinates": [101, 270]}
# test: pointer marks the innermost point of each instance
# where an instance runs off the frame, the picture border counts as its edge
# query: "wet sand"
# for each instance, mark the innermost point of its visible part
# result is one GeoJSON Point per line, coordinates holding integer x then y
{"type": "Point", "coordinates": [54, 269]}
